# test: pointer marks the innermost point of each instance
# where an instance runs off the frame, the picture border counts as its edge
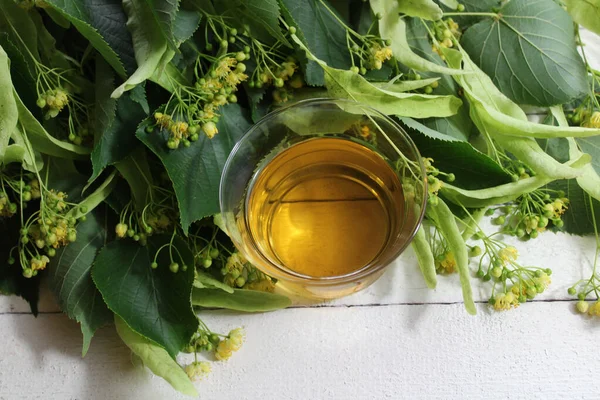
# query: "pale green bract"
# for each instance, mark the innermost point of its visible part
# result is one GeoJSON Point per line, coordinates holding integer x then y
{"type": "Point", "coordinates": [588, 180]}
{"type": "Point", "coordinates": [156, 359]}
{"type": "Point", "coordinates": [392, 26]}
{"type": "Point", "coordinates": [151, 46]}
{"type": "Point", "coordinates": [8, 105]}
{"type": "Point", "coordinates": [239, 300]}
{"type": "Point", "coordinates": [346, 84]}
{"type": "Point", "coordinates": [446, 224]}
{"type": "Point", "coordinates": [426, 9]}
{"type": "Point", "coordinates": [425, 257]}
{"type": "Point", "coordinates": [585, 13]}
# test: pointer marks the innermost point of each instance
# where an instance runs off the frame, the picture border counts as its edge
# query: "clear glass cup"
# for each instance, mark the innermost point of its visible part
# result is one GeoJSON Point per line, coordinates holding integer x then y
{"type": "Point", "coordinates": [299, 123]}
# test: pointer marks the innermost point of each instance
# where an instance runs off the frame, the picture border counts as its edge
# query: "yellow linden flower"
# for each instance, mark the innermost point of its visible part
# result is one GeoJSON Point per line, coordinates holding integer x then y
{"type": "Point", "coordinates": [506, 301]}
{"type": "Point", "coordinates": [198, 370]}
{"type": "Point", "coordinates": [560, 206]}
{"type": "Point", "coordinates": [60, 99]}
{"type": "Point", "coordinates": [594, 309]}
{"type": "Point", "coordinates": [593, 121]}
{"type": "Point", "coordinates": [434, 184]}
{"type": "Point", "coordinates": [235, 78]}
{"type": "Point", "coordinates": [508, 254]}
{"type": "Point", "coordinates": [224, 351]}
{"type": "Point", "coordinates": [287, 70]}
{"type": "Point", "coordinates": [39, 263]}
{"type": "Point", "coordinates": [121, 230]}
{"type": "Point", "coordinates": [381, 54]}
{"type": "Point", "coordinates": [224, 66]}
{"type": "Point", "coordinates": [236, 338]}
{"type": "Point", "coordinates": [263, 285]}
{"type": "Point", "coordinates": [35, 189]}
{"type": "Point", "coordinates": [519, 290]}
{"type": "Point", "coordinates": [296, 82]}
{"type": "Point", "coordinates": [163, 120]}
{"type": "Point", "coordinates": [235, 259]}
{"type": "Point", "coordinates": [210, 129]}
{"type": "Point", "coordinates": [209, 111]}
{"type": "Point", "coordinates": [543, 280]}
{"type": "Point", "coordinates": [428, 162]}
{"type": "Point", "coordinates": [448, 263]}
{"type": "Point", "coordinates": [365, 132]}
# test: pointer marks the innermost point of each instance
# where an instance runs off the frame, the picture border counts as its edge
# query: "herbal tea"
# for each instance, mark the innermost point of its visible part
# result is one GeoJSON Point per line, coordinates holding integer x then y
{"type": "Point", "coordinates": [324, 207]}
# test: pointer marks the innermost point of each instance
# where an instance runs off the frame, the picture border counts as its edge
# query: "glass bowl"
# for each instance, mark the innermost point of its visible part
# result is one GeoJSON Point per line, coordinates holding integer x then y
{"type": "Point", "coordinates": [302, 125]}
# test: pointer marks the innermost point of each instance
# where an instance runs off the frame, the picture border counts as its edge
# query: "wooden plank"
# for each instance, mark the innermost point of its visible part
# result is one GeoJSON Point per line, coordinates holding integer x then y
{"type": "Point", "coordinates": [540, 351]}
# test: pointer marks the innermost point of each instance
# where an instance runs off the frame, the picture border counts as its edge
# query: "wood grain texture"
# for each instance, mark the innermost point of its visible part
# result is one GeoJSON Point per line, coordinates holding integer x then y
{"type": "Point", "coordinates": [422, 351]}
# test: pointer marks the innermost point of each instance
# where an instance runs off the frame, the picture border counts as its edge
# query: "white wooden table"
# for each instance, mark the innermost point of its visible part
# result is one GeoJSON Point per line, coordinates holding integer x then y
{"type": "Point", "coordinates": [395, 340]}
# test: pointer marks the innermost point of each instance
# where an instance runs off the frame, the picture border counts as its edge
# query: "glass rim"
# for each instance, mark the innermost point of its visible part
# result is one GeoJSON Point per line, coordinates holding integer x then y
{"type": "Point", "coordinates": [372, 267]}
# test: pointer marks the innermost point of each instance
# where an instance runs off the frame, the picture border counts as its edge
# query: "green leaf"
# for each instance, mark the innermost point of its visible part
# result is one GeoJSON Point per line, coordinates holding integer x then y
{"type": "Point", "coordinates": [185, 24]}
{"type": "Point", "coordinates": [457, 157]}
{"type": "Point", "coordinates": [155, 303]}
{"type": "Point", "coordinates": [21, 30]}
{"type": "Point", "coordinates": [459, 125]}
{"type": "Point", "coordinates": [196, 170]}
{"type": "Point", "coordinates": [20, 71]}
{"type": "Point", "coordinates": [258, 108]}
{"type": "Point", "coordinates": [164, 13]}
{"type": "Point", "coordinates": [41, 140]}
{"type": "Point", "coordinates": [103, 24]}
{"type": "Point", "coordinates": [578, 217]}
{"type": "Point", "coordinates": [136, 171]}
{"type": "Point", "coordinates": [266, 13]}
{"type": "Point", "coordinates": [319, 30]}
{"type": "Point", "coordinates": [71, 279]}
{"type": "Point", "coordinates": [240, 300]}
{"type": "Point", "coordinates": [156, 359]}
{"type": "Point", "coordinates": [104, 105]}
{"type": "Point", "coordinates": [8, 106]}
{"type": "Point", "coordinates": [393, 27]}
{"type": "Point", "coordinates": [117, 138]}
{"type": "Point", "coordinates": [586, 13]}
{"type": "Point", "coordinates": [150, 40]}
{"type": "Point", "coordinates": [472, 7]}
{"type": "Point", "coordinates": [425, 9]}
{"type": "Point", "coordinates": [591, 145]}
{"type": "Point", "coordinates": [529, 52]}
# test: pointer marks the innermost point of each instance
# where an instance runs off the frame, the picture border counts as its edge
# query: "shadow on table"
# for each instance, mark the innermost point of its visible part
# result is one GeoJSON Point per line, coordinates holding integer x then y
{"type": "Point", "coordinates": [106, 372]}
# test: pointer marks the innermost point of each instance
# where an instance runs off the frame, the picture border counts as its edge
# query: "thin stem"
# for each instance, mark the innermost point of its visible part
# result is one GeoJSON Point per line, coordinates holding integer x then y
{"type": "Point", "coordinates": [472, 14]}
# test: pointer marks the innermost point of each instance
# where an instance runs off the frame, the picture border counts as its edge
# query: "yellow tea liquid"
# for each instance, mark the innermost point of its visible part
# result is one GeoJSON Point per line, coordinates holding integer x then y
{"type": "Point", "coordinates": [324, 207]}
